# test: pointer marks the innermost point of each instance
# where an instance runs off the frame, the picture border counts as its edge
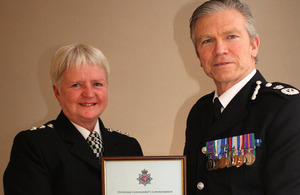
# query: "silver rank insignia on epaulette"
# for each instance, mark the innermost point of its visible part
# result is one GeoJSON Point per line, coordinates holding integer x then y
{"type": "Point", "coordinates": [42, 127]}
{"type": "Point", "coordinates": [277, 86]}
{"type": "Point", "coordinates": [117, 131]}
{"type": "Point", "coordinates": [282, 88]}
{"type": "Point", "coordinates": [286, 91]}
{"type": "Point", "coordinates": [33, 128]}
{"type": "Point", "coordinates": [290, 91]}
{"type": "Point", "coordinates": [50, 125]}
{"type": "Point", "coordinates": [256, 90]}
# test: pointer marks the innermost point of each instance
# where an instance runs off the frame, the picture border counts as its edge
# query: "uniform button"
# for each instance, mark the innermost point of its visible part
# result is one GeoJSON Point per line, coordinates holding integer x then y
{"type": "Point", "coordinates": [204, 150]}
{"type": "Point", "coordinates": [268, 84]}
{"type": "Point", "coordinates": [200, 185]}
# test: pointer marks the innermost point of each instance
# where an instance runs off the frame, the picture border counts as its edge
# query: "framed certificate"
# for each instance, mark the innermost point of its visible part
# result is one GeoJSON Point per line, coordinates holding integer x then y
{"type": "Point", "coordinates": [158, 175]}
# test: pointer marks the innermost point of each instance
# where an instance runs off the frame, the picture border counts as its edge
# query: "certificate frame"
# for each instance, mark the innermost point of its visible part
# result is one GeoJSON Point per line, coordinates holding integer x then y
{"type": "Point", "coordinates": [112, 169]}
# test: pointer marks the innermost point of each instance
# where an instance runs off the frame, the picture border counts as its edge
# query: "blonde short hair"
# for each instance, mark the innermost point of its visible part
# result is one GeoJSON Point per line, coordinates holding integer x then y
{"type": "Point", "coordinates": [75, 56]}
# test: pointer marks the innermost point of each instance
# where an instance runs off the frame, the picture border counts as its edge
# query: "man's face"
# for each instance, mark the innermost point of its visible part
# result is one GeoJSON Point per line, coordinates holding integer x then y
{"type": "Point", "coordinates": [223, 44]}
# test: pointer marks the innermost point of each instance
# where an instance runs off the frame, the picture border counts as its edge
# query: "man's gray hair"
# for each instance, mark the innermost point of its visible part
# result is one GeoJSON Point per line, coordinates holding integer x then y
{"type": "Point", "coordinates": [214, 6]}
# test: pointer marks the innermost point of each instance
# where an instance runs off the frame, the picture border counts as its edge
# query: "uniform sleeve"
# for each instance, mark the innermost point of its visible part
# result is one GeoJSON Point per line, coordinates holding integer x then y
{"type": "Point", "coordinates": [139, 151]}
{"type": "Point", "coordinates": [134, 148]}
{"type": "Point", "coordinates": [282, 166]}
{"type": "Point", "coordinates": [26, 172]}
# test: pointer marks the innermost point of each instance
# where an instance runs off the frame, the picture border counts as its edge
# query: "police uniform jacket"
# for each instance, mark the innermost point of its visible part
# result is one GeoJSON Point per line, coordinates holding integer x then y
{"type": "Point", "coordinates": [56, 159]}
{"type": "Point", "coordinates": [273, 115]}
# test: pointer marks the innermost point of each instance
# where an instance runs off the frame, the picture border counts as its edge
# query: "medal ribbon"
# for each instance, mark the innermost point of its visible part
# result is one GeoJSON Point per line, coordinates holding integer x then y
{"type": "Point", "coordinates": [242, 144]}
{"type": "Point", "coordinates": [257, 142]}
{"type": "Point", "coordinates": [234, 145]}
{"type": "Point", "coordinates": [219, 149]}
{"type": "Point", "coordinates": [249, 143]}
{"type": "Point", "coordinates": [246, 142]}
{"type": "Point", "coordinates": [210, 149]}
{"type": "Point", "coordinates": [238, 145]}
{"type": "Point", "coordinates": [229, 145]}
{"type": "Point", "coordinates": [214, 149]}
{"type": "Point", "coordinates": [226, 147]}
{"type": "Point", "coordinates": [253, 143]}
{"type": "Point", "coordinates": [223, 147]}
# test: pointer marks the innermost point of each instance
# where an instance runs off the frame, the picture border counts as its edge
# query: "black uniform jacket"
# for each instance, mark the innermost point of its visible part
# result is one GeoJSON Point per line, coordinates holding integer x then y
{"type": "Point", "coordinates": [56, 159]}
{"type": "Point", "coordinates": [274, 117]}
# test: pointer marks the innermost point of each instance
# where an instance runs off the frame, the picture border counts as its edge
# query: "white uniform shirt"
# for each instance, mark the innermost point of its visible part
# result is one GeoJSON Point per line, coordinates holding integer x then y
{"type": "Point", "coordinates": [228, 95]}
{"type": "Point", "coordinates": [84, 132]}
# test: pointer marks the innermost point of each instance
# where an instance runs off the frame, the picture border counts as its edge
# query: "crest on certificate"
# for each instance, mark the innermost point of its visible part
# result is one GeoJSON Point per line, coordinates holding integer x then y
{"type": "Point", "coordinates": [144, 178]}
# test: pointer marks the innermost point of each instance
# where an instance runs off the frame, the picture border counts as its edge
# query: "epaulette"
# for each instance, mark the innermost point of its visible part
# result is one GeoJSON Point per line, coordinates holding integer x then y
{"type": "Point", "coordinates": [117, 131]}
{"type": "Point", "coordinates": [50, 125]}
{"type": "Point", "coordinates": [281, 89]}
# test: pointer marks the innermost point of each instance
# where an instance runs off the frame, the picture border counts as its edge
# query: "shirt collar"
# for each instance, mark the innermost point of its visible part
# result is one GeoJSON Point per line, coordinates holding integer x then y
{"type": "Point", "coordinates": [228, 95]}
{"type": "Point", "coordinates": [84, 132]}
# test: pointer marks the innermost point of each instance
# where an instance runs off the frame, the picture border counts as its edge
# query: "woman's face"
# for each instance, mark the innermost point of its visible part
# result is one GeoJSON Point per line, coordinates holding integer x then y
{"type": "Point", "coordinates": [83, 94]}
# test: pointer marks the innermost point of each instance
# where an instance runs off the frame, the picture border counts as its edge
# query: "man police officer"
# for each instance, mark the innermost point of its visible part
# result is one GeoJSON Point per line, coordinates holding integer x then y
{"type": "Point", "coordinates": [250, 143]}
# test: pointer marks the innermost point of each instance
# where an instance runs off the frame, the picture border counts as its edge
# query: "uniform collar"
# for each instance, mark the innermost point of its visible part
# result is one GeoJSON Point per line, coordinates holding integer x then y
{"type": "Point", "coordinates": [84, 132]}
{"type": "Point", "coordinates": [78, 145]}
{"type": "Point", "coordinates": [228, 95]}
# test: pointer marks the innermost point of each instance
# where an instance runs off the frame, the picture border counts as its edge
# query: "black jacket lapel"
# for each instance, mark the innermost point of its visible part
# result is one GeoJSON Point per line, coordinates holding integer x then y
{"type": "Point", "coordinates": [235, 111]}
{"type": "Point", "coordinates": [77, 144]}
{"type": "Point", "coordinates": [110, 142]}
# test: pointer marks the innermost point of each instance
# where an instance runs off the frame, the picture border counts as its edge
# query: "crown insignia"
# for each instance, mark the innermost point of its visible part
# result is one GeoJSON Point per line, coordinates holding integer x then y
{"type": "Point", "coordinates": [144, 171]}
{"type": "Point", "coordinates": [144, 178]}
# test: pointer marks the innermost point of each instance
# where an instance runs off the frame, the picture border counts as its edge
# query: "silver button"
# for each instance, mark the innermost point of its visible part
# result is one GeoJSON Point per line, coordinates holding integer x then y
{"type": "Point", "coordinates": [200, 185]}
{"type": "Point", "coordinates": [268, 84]}
{"type": "Point", "coordinates": [204, 150]}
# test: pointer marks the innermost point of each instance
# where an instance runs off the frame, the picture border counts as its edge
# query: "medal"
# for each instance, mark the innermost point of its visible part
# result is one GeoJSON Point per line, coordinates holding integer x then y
{"type": "Point", "coordinates": [231, 151]}
{"type": "Point", "coordinates": [240, 160]}
{"type": "Point", "coordinates": [235, 150]}
{"type": "Point", "coordinates": [234, 160]}
{"type": "Point", "coordinates": [250, 145]}
{"type": "Point", "coordinates": [229, 160]}
{"type": "Point", "coordinates": [223, 162]}
{"type": "Point", "coordinates": [210, 165]}
{"type": "Point", "coordinates": [223, 153]}
{"type": "Point", "coordinates": [250, 158]}
{"type": "Point", "coordinates": [216, 164]}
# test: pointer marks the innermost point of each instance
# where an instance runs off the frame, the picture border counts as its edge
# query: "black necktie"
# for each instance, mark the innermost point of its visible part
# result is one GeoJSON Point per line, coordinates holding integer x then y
{"type": "Point", "coordinates": [217, 108]}
{"type": "Point", "coordinates": [95, 143]}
